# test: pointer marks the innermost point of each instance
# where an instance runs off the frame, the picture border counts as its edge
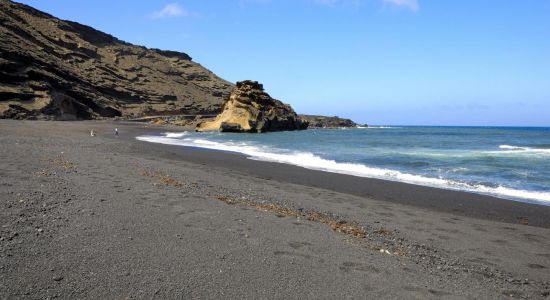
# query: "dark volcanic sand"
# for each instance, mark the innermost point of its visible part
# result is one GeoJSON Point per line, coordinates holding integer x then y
{"type": "Point", "coordinates": [108, 217]}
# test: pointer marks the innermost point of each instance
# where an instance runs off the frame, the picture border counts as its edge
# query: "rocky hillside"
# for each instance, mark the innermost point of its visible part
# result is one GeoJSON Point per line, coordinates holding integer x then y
{"type": "Point", "coordinates": [327, 122]}
{"type": "Point", "coordinates": [251, 109]}
{"type": "Point", "coordinates": [55, 69]}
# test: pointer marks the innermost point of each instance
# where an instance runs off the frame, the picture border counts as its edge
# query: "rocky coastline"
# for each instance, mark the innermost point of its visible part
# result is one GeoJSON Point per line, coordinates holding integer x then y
{"type": "Point", "coordinates": [316, 121]}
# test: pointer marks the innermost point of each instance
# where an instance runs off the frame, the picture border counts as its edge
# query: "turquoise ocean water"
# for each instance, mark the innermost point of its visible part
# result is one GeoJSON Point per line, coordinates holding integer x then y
{"type": "Point", "coordinates": [507, 162]}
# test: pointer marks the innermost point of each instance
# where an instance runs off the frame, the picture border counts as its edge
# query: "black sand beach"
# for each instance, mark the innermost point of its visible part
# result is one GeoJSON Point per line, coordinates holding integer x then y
{"type": "Point", "coordinates": [112, 217]}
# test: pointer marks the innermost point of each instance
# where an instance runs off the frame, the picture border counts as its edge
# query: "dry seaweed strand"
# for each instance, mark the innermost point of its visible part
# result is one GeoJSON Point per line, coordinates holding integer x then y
{"type": "Point", "coordinates": [50, 164]}
{"type": "Point", "coordinates": [341, 226]}
{"type": "Point", "coordinates": [60, 162]}
{"type": "Point", "coordinates": [162, 178]}
{"type": "Point", "coordinates": [383, 231]}
{"type": "Point", "coordinates": [338, 225]}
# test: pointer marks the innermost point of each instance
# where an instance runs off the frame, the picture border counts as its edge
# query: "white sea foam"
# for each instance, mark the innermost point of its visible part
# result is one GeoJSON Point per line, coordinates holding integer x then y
{"type": "Point", "coordinates": [510, 147]}
{"type": "Point", "coordinates": [176, 134]}
{"type": "Point", "coordinates": [372, 127]}
{"type": "Point", "coordinates": [524, 150]}
{"type": "Point", "coordinates": [314, 162]}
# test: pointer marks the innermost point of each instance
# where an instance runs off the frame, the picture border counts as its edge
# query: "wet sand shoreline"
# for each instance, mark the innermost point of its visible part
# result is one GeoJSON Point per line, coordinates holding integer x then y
{"type": "Point", "coordinates": [443, 200]}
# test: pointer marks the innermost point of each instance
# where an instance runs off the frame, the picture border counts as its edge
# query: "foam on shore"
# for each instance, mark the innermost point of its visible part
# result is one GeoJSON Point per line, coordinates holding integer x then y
{"type": "Point", "coordinates": [314, 162]}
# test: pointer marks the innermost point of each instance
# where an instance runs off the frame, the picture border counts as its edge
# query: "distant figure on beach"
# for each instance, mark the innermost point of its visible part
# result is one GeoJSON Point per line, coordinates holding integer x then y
{"type": "Point", "coordinates": [116, 131]}
{"type": "Point", "coordinates": [92, 133]}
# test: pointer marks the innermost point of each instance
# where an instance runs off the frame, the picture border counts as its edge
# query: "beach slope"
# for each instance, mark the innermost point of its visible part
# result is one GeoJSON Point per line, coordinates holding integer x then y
{"type": "Point", "coordinates": [113, 217]}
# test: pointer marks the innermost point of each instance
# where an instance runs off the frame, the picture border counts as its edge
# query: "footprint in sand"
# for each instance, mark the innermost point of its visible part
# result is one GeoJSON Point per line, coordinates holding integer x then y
{"type": "Point", "coordinates": [532, 237]}
{"type": "Point", "coordinates": [536, 266]}
{"type": "Point", "coordinates": [348, 266]}
{"type": "Point", "coordinates": [425, 291]}
{"type": "Point", "coordinates": [298, 245]}
{"type": "Point", "coordinates": [289, 254]}
{"type": "Point", "coordinates": [500, 242]}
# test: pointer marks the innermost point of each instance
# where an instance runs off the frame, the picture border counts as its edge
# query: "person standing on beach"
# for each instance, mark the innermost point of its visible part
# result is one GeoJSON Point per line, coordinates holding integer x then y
{"type": "Point", "coordinates": [116, 131]}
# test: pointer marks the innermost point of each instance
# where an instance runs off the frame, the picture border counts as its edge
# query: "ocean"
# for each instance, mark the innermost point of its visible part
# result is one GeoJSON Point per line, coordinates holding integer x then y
{"type": "Point", "coordinates": [507, 162]}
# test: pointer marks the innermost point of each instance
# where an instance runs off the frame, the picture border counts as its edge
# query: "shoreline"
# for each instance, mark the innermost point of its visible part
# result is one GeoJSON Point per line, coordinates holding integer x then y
{"type": "Point", "coordinates": [465, 203]}
{"type": "Point", "coordinates": [251, 157]}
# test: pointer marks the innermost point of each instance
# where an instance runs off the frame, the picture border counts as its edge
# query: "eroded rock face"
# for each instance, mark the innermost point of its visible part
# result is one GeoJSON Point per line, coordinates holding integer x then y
{"type": "Point", "coordinates": [251, 109]}
{"type": "Point", "coordinates": [55, 69]}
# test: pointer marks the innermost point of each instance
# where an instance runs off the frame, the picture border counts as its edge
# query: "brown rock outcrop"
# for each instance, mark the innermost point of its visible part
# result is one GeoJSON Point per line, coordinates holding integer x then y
{"type": "Point", "coordinates": [55, 69]}
{"type": "Point", "coordinates": [251, 109]}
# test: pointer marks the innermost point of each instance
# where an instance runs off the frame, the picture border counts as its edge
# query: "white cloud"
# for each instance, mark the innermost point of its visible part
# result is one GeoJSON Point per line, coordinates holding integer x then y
{"type": "Point", "coordinates": [169, 11]}
{"type": "Point", "coordinates": [409, 4]}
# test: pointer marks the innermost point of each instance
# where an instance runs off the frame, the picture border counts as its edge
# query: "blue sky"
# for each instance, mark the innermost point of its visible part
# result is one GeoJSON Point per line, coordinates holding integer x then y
{"type": "Point", "coordinates": [409, 62]}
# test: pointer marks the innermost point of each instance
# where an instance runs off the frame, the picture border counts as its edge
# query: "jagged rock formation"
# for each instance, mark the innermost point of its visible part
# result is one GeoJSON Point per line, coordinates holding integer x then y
{"type": "Point", "coordinates": [327, 122]}
{"type": "Point", "coordinates": [55, 69]}
{"type": "Point", "coordinates": [250, 109]}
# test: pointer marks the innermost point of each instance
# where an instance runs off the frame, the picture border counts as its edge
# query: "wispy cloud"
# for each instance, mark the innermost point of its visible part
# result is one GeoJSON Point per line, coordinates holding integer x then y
{"type": "Point", "coordinates": [409, 4]}
{"type": "Point", "coordinates": [170, 11]}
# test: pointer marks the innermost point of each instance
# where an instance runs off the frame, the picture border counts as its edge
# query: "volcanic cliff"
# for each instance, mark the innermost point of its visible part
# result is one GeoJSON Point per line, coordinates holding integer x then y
{"type": "Point", "coordinates": [61, 70]}
{"type": "Point", "coordinates": [55, 69]}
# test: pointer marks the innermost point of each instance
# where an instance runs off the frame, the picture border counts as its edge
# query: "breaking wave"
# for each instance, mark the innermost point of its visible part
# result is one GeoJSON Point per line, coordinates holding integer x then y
{"type": "Point", "coordinates": [523, 150]}
{"type": "Point", "coordinates": [311, 161]}
{"type": "Point", "coordinates": [176, 134]}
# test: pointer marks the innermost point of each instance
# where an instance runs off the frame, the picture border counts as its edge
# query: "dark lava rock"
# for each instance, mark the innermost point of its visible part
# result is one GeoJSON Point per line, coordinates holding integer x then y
{"type": "Point", "coordinates": [230, 127]}
{"type": "Point", "coordinates": [327, 122]}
